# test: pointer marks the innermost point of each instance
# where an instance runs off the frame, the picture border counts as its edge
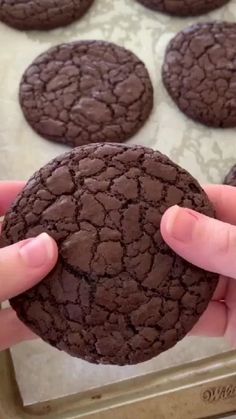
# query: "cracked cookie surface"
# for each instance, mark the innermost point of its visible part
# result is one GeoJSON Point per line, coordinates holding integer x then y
{"type": "Point", "coordinates": [183, 7]}
{"type": "Point", "coordinates": [199, 73]}
{"type": "Point", "coordinates": [41, 14]}
{"type": "Point", "coordinates": [230, 178]}
{"type": "Point", "coordinates": [118, 293]}
{"type": "Point", "coordinates": [86, 92]}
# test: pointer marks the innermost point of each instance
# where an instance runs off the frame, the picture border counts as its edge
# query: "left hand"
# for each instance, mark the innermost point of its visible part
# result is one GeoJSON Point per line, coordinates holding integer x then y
{"type": "Point", "coordinates": [22, 265]}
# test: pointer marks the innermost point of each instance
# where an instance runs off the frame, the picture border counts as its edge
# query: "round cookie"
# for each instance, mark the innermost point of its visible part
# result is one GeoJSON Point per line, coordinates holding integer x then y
{"type": "Point", "coordinates": [42, 14]}
{"type": "Point", "coordinates": [183, 7]}
{"type": "Point", "coordinates": [199, 73]}
{"type": "Point", "coordinates": [118, 293]}
{"type": "Point", "coordinates": [230, 178]}
{"type": "Point", "coordinates": [86, 92]}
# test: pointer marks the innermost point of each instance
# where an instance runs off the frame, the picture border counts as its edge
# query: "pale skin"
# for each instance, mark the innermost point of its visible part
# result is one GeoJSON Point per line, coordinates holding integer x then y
{"type": "Point", "coordinates": [22, 265]}
{"type": "Point", "coordinates": [205, 242]}
{"type": "Point", "coordinates": [211, 245]}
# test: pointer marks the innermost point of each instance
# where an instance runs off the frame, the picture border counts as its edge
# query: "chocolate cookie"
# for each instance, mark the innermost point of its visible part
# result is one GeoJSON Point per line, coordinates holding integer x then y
{"type": "Point", "coordinates": [183, 7]}
{"type": "Point", "coordinates": [199, 73]}
{"type": "Point", "coordinates": [86, 92]}
{"type": "Point", "coordinates": [43, 14]}
{"type": "Point", "coordinates": [118, 293]}
{"type": "Point", "coordinates": [230, 178]}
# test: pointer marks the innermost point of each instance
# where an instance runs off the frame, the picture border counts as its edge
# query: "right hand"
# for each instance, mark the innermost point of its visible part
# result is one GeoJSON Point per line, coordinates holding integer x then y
{"type": "Point", "coordinates": [209, 244]}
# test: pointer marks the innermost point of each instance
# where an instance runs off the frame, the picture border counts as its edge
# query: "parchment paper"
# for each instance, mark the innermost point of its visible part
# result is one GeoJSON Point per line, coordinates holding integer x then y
{"type": "Point", "coordinates": [42, 372]}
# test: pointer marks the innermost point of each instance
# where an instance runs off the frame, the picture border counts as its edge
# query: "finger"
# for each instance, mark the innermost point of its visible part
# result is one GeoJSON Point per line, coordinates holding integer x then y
{"type": "Point", "coordinates": [230, 333]}
{"type": "Point", "coordinates": [230, 300]}
{"type": "Point", "coordinates": [203, 241]}
{"type": "Point", "coordinates": [223, 198]}
{"type": "Point", "coordinates": [221, 289]}
{"type": "Point", "coordinates": [207, 324]}
{"type": "Point", "coordinates": [8, 192]}
{"type": "Point", "coordinates": [24, 264]}
{"type": "Point", "coordinates": [12, 330]}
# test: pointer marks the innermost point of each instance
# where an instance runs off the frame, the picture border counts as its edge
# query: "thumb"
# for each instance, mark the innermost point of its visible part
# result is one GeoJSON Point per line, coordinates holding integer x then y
{"type": "Point", "coordinates": [205, 242]}
{"type": "Point", "coordinates": [24, 264]}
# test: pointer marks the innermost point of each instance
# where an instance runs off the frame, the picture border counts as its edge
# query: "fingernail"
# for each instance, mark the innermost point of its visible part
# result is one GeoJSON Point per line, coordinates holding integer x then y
{"type": "Point", "coordinates": [38, 251]}
{"type": "Point", "coordinates": [181, 223]}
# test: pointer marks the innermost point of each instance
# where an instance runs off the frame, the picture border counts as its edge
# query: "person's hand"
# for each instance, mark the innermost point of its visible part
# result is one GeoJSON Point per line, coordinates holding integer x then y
{"type": "Point", "coordinates": [211, 245]}
{"type": "Point", "coordinates": [22, 265]}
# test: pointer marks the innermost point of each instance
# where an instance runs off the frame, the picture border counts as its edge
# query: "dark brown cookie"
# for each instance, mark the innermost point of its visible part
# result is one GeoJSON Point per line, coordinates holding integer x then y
{"type": "Point", "coordinates": [41, 14]}
{"type": "Point", "coordinates": [86, 92]}
{"type": "Point", "coordinates": [183, 7]}
{"type": "Point", "coordinates": [118, 294]}
{"type": "Point", "coordinates": [199, 73]}
{"type": "Point", "coordinates": [230, 178]}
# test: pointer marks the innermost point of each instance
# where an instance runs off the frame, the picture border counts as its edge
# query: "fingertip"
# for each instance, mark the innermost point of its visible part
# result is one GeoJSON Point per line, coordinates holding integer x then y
{"type": "Point", "coordinates": [207, 324]}
{"type": "Point", "coordinates": [203, 241]}
{"type": "Point", "coordinates": [50, 246]}
{"type": "Point", "coordinates": [178, 224]}
{"type": "Point", "coordinates": [26, 263]}
{"type": "Point", "coordinates": [53, 252]}
{"type": "Point", "coordinates": [38, 252]}
{"type": "Point", "coordinates": [168, 220]}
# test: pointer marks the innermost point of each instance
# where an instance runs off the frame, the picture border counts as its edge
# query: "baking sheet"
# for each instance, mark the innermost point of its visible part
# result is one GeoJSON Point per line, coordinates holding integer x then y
{"type": "Point", "coordinates": [42, 372]}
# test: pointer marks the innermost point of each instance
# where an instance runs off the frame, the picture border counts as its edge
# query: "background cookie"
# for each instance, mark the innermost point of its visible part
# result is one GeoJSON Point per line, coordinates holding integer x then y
{"type": "Point", "coordinates": [230, 178]}
{"type": "Point", "coordinates": [43, 14]}
{"type": "Point", "coordinates": [118, 294]}
{"type": "Point", "coordinates": [199, 73]}
{"type": "Point", "coordinates": [85, 92]}
{"type": "Point", "coordinates": [183, 7]}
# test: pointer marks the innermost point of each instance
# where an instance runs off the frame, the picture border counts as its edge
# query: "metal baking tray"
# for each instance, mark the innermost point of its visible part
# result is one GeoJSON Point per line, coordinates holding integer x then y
{"type": "Point", "coordinates": [202, 389]}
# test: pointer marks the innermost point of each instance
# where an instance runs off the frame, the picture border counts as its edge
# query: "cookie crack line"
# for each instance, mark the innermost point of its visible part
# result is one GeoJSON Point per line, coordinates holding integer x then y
{"type": "Point", "coordinates": [118, 294]}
